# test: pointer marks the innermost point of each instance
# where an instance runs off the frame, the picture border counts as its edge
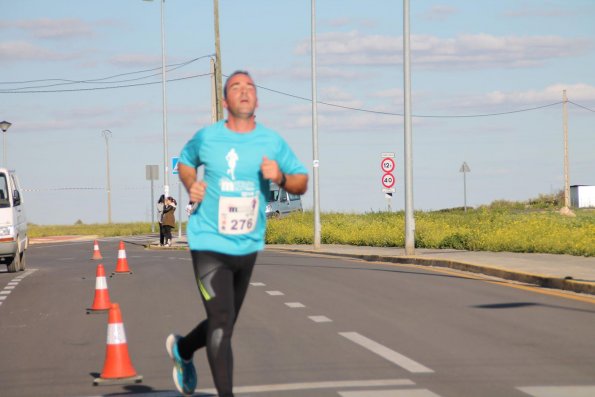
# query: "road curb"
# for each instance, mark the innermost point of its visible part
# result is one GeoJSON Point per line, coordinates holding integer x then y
{"type": "Point", "coordinates": [542, 281]}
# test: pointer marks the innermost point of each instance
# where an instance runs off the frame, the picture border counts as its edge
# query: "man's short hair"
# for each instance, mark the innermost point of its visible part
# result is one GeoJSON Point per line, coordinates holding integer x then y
{"type": "Point", "coordinates": [230, 77]}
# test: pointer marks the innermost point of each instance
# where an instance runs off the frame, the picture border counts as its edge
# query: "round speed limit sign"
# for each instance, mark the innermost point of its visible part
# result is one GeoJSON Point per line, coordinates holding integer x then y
{"type": "Point", "coordinates": [387, 164]}
{"type": "Point", "coordinates": [388, 180]}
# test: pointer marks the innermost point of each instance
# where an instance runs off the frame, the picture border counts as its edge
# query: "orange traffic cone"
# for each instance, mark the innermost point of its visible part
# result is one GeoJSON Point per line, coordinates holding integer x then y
{"type": "Point", "coordinates": [117, 366]}
{"type": "Point", "coordinates": [101, 302]}
{"type": "Point", "coordinates": [96, 253]}
{"type": "Point", "coordinates": [122, 264]}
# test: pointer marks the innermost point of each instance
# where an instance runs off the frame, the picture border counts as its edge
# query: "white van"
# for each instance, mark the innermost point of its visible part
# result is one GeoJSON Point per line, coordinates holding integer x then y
{"type": "Point", "coordinates": [13, 222]}
{"type": "Point", "coordinates": [281, 203]}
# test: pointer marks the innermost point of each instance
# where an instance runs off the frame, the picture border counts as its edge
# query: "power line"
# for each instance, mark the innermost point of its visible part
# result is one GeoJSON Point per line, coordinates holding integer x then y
{"type": "Point", "coordinates": [173, 66]}
{"type": "Point", "coordinates": [27, 90]}
{"type": "Point", "coordinates": [47, 189]}
{"type": "Point", "coordinates": [581, 106]}
{"type": "Point", "coordinates": [415, 115]}
{"type": "Point", "coordinates": [102, 88]}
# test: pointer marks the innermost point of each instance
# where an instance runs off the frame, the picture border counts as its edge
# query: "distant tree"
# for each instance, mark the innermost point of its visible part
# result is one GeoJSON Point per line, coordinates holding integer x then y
{"type": "Point", "coordinates": [79, 222]}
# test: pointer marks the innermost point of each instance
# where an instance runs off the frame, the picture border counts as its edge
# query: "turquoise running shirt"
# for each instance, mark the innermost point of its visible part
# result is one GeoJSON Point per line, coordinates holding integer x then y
{"type": "Point", "coordinates": [231, 218]}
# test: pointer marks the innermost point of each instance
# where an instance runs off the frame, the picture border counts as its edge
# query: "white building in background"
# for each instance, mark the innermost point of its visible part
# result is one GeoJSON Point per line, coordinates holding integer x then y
{"type": "Point", "coordinates": [582, 196]}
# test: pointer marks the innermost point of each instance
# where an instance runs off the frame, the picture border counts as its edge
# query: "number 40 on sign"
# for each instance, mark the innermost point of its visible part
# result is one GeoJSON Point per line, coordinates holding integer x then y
{"type": "Point", "coordinates": [388, 166]}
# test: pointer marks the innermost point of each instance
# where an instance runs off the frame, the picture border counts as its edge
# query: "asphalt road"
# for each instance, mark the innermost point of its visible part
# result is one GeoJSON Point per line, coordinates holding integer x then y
{"type": "Point", "coordinates": [311, 326]}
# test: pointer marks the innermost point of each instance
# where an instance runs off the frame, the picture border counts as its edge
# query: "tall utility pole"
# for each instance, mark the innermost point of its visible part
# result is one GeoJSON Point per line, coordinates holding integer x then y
{"type": "Point", "coordinates": [213, 93]}
{"type": "Point", "coordinates": [315, 162]}
{"type": "Point", "coordinates": [106, 135]}
{"type": "Point", "coordinates": [164, 96]}
{"type": "Point", "coordinates": [218, 81]}
{"type": "Point", "coordinates": [565, 127]}
{"type": "Point", "coordinates": [409, 219]}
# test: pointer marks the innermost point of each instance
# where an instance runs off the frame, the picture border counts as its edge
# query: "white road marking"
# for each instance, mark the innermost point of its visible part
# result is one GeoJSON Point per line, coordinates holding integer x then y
{"type": "Point", "coordinates": [386, 353]}
{"type": "Point", "coordinates": [295, 305]}
{"type": "Point", "coordinates": [275, 293]}
{"type": "Point", "coordinates": [556, 391]}
{"type": "Point", "coordinates": [320, 319]}
{"type": "Point", "coordinates": [290, 387]}
{"type": "Point", "coordinates": [11, 285]}
{"type": "Point", "coordinates": [257, 284]}
{"type": "Point", "coordinates": [389, 393]}
{"type": "Point", "coordinates": [319, 385]}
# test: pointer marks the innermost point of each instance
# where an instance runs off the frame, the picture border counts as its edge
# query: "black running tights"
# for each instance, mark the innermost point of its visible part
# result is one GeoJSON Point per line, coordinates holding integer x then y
{"type": "Point", "coordinates": [223, 282]}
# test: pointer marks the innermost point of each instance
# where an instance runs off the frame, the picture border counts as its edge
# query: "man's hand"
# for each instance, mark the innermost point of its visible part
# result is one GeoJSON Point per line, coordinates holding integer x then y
{"type": "Point", "coordinates": [270, 170]}
{"type": "Point", "coordinates": [197, 191]}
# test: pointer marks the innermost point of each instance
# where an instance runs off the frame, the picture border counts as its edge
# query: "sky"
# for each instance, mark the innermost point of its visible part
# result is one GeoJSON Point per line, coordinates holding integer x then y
{"type": "Point", "coordinates": [487, 79]}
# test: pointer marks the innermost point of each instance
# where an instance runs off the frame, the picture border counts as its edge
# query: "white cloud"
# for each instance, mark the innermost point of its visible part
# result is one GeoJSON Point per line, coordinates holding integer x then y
{"type": "Point", "coordinates": [335, 94]}
{"type": "Point", "coordinates": [344, 22]}
{"type": "Point", "coordinates": [46, 28]}
{"type": "Point", "coordinates": [439, 12]}
{"type": "Point", "coordinates": [136, 60]}
{"type": "Point", "coordinates": [393, 93]}
{"type": "Point", "coordinates": [470, 51]}
{"type": "Point", "coordinates": [12, 51]}
{"type": "Point", "coordinates": [553, 93]}
{"type": "Point", "coordinates": [542, 11]}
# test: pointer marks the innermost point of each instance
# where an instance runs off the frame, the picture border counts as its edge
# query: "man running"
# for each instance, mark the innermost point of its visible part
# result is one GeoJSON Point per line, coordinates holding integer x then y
{"type": "Point", "coordinates": [226, 232]}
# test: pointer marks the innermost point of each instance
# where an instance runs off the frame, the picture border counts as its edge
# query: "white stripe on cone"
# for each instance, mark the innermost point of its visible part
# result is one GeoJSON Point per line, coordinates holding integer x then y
{"type": "Point", "coordinates": [100, 283]}
{"type": "Point", "coordinates": [116, 334]}
{"type": "Point", "coordinates": [121, 254]}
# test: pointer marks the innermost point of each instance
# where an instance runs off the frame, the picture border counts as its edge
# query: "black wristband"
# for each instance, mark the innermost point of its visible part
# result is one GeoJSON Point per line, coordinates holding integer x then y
{"type": "Point", "coordinates": [283, 180]}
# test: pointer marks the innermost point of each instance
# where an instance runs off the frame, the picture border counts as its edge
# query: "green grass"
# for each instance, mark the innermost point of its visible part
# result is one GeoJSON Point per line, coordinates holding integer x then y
{"type": "Point", "coordinates": [532, 226]}
{"type": "Point", "coordinates": [484, 229]}
{"type": "Point", "coordinates": [101, 230]}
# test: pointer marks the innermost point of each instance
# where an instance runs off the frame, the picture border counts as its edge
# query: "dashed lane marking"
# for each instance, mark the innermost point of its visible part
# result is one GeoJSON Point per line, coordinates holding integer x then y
{"type": "Point", "coordinates": [556, 391]}
{"type": "Point", "coordinates": [275, 293]}
{"type": "Point", "coordinates": [319, 385]}
{"type": "Point", "coordinates": [10, 286]}
{"type": "Point", "coordinates": [389, 393]}
{"type": "Point", "coordinates": [286, 387]}
{"type": "Point", "coordinates": [257, 284]}
{"type": "Point", "coordinates": [320, 319]}
{"type": "Point", "coordinates": [295, 305]}
{"type": "Point", "coordinates": [386, 353]}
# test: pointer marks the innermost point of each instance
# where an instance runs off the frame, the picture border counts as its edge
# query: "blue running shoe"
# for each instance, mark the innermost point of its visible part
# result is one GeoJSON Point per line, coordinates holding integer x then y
{"type": "Point", "coordinates": [184, 373]}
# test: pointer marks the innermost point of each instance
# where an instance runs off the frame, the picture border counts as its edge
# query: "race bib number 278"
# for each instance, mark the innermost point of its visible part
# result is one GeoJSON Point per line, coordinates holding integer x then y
{"type": "Point", "coordinates": [237, 215]}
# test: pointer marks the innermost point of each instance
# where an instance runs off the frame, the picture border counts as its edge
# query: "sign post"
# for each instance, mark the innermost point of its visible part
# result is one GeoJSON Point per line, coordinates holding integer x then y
{"type": "Point", "coordinates": [387, 165]}
{"type": "Point", "coordinates": [152, 173]}
{"type": "Point", "coordinates": [464, 169]}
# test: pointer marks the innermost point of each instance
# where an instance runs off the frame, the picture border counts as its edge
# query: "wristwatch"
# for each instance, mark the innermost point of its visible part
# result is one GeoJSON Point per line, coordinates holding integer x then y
{"type": "Point", "coordinates": [283, 180]}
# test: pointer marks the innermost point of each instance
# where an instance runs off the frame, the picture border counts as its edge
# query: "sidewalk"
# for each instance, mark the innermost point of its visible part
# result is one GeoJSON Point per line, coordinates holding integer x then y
{"type": "Point", "coordinates": [566, 272]}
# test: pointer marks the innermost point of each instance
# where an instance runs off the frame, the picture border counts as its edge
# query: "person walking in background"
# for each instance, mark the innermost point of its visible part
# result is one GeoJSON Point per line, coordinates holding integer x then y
{"type": "Point", "coordinates": [160, 205]}
{"type": "Point", "coordinates": [168, 219]}
{"type": "Point", "coordinates": [226, 231]}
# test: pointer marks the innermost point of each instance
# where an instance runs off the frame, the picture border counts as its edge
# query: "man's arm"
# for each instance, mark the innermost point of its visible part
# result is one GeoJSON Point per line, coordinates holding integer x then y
{"type": "Point", "coordinates": [196, 189]}
{"type": "Point", "coordinates": [294, 183]}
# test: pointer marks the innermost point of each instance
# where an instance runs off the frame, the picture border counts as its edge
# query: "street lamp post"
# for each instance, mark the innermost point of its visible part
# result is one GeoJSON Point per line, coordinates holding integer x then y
{"type": "Point", "coordinates": [164, 97]}
{"type": "Point", "coordinates": [5, 125]}
{"type": "Point", "coordinates": [106, 135]}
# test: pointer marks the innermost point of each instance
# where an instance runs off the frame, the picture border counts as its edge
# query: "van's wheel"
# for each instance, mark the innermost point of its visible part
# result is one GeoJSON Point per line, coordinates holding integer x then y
{"type": "Point", "coordinates": [23, 260]}
{"type": "Point", "coordinates": [276, 214]}
{"type": "Point", "coordinates": [15, 263]}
